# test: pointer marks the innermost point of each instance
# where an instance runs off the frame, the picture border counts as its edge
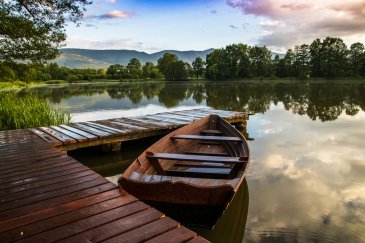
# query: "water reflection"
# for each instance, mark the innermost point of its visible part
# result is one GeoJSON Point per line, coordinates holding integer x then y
{"type": "Point", "coordinates": [306, 179]}
{"type": "Point", "coordinates": [230, 227]}
{"type": "Point", "coordinates": [323, 101]}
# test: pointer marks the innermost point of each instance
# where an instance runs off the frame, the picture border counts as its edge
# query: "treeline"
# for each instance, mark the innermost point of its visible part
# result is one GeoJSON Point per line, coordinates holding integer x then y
{"type": "Point", "coordinates": [327, 58]}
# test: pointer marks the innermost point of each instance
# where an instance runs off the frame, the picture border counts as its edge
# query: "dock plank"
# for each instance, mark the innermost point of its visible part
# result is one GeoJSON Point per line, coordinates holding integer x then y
{"type": "Point", "coordinates": [60, 136]}
{"type": "Point", "coordinates": [101, 134]}
{"type": "Point", "coordinates": [180, 234]}
{"type": "Point", "coordinates": [73, 135]}
{"type": "Point", "coordinates": [147, 231]}
{"type": "Point", "coordinates": [87, 223]}
{"type": "Point", "coordinates": [46, 137]}
{"type": "Point", "coordinates": [67, 218]}
{"type": "Point", "coordinates": [117, 227]}
{"type": "Point", "coordinates": [78, 131]}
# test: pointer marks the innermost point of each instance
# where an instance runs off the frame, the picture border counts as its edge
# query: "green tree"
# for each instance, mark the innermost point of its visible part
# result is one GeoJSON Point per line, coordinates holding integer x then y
{"type": "Point", "coordinates": [164, 62]}
{"type": "Point", "coordinates": [302, 61]}
{"type": "Point", "coordinates": [316, 55]}
{"type": "Point", "coordinates": [260, 59]}
{"type": "Point", "coordinates": [333, 58]}
{"type": "Point", "coordinates": [198, 67]}
{"type": "Point", "coordinates": [151, 71]}
{"type": "Point", "coordinates": [116, 71]}
{"type": "Point", "coordinates": [289, 60]}
{"type": "Point", "coordinates": [34, 30]}
{"type": "Point", "coordinates": [6, 73]}
{"type": "Point", "coordinates": [355, 54]}
{"type": "Point", "coordinates": [134, 69]}
{"type": "Point", "coordinates": [177, 71]}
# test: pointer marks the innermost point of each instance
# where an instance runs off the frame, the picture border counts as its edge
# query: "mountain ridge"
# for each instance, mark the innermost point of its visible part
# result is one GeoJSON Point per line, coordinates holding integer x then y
{"type": "Point", "coordinates": [93, 58]}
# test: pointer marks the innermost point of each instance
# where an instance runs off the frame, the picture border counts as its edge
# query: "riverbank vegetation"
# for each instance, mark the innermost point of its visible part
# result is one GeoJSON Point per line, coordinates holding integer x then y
{"type": "Point", "coordinates": [29, 111]}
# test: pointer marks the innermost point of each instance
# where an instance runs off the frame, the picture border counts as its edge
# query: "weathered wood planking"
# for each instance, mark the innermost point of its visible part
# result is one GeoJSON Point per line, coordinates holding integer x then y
{"type": "Point", "coordinates": [92, 133]}
{"type": "Point", "coordinates": [46, 196]}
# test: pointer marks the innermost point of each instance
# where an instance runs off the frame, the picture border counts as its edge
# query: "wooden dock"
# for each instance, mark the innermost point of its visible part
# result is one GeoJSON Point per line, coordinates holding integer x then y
{"type": "Point", "coordinates": [46, 196]}
{"type": "Point", "coordinates": [113, 131]}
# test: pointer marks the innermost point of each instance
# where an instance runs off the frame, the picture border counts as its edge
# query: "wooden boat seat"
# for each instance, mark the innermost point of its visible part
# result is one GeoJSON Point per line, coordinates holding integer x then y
{"type": "Point", "coordinates": [211, 132]}
{"type": "Point", "coordinates": [208, 138]}
{"type": "Point", "coordinates": [198, 158]}
{"type": "Point", "coordinates": [206, 153]}
{"type": "Point", "coordinates": [217, 167]}
{"type": "Point", "coordinates": [216, 173]}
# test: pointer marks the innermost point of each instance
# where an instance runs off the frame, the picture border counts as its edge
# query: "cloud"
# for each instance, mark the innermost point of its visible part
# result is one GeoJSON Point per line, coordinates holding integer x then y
{"type": "Point", "coordinates": [111, 1]}
{"type": "Point", "coordinates": [233, 26]}
{"type": "Point", "coordinates": [114, 14]}
{"type": "Point", "coordinates": [286, 23]}
{"type": "Point", "coordinates": [213, 11]}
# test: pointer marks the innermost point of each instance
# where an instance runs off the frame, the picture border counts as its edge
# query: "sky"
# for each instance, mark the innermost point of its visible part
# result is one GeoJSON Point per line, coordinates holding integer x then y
{"type": "Point", "coordinates": [156, 25]}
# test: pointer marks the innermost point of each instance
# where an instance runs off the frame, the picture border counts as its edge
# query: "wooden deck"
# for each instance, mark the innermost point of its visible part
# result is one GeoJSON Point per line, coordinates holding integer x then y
{"type": "Point", "coordinates": [86, 134]}
{"type": "Point", "coordinates": [46, 196]}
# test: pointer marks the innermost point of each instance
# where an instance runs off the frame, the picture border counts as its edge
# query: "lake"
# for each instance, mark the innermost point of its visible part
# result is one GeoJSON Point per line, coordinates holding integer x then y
{"type": "Point", "coordinates": [306, 179]}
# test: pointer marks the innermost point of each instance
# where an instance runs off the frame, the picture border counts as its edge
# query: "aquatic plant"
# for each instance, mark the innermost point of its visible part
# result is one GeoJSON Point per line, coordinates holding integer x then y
{"type": "Point", "coordinates": [29, 111]}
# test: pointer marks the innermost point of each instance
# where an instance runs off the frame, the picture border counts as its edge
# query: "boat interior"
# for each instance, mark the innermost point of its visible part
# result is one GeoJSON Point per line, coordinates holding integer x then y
{"type": "Point", "coordinates": [211, 148]}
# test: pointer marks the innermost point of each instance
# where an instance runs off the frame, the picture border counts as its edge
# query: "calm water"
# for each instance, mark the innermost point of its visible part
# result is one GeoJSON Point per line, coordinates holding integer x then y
{"type": "Point", "coordinates": [306, 180]}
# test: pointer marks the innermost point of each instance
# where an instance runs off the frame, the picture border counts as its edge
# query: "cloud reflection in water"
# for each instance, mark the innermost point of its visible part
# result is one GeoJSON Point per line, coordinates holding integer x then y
{"type": "Point", "coordinates": [306, 178]}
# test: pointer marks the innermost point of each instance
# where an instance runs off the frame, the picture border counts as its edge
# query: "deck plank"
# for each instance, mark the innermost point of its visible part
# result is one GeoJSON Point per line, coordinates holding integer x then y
{"type": "Point", "coordinates": [78, 131]}
{"type": "Point", "coordinates": [177, 235]}
{"type": "Point", "coordinates": [87, 223]}
{"type": "Point", "coordinates": [60, 136]}
{"type": "Point", "coordinates": [71, 134]}
{"type": "Point", "coordinates": [117, 227]}
{"type": "Point", "coordinates": [67, 218]}
{"type": "Point", "coordinates": [46, 137]}
{"type": "Point", "coordinates": [147, 231]}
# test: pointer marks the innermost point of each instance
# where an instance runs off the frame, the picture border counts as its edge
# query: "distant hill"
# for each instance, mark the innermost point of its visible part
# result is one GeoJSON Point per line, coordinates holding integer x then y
{"type": "Point", "coordinates": [87, 58]}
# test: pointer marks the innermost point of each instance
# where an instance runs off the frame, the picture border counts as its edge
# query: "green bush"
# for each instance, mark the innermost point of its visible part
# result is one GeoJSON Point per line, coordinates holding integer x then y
{"type": "Point", "coordinates": [29, 111]}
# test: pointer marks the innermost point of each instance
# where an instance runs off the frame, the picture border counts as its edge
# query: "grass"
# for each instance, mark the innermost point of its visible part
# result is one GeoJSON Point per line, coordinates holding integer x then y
{"type": "Point", "coordinates": [29, 111]}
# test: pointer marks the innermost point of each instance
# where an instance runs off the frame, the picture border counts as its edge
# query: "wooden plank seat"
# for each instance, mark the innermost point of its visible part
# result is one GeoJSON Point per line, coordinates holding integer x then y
{"type": "Point", "coordinates": [206, 153]}
{"type": "Point", "coordinates": [198, 158]}
{"type": "Point", "coordinates": [211, 132]}
{"type": "Point", "coordinates": [218, 167]}
{"type": "Point", "coordinates": [208, 138]}
{"type": "Point", "coordinates": [216, 173]}
{"type": "Point", "coordinates": [201, 164]}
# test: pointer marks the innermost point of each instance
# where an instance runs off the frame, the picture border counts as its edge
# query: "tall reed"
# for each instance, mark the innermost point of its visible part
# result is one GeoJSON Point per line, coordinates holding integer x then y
{"type": "Point", "coordinates": [29, 111]}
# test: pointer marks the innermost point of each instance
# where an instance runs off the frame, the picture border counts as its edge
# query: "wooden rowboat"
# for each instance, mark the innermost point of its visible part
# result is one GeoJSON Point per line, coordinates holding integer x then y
{"type": "Point", "coordinates": [202, 163]}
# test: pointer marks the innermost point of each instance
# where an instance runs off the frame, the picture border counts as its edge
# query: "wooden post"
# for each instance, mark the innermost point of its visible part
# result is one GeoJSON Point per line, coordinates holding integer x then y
{"type": "Point", "coordinates": [111, 147]}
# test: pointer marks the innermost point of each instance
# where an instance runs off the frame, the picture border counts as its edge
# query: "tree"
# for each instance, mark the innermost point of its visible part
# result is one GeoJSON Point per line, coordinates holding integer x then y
{"type": "Point", "coordinates": [302, 61]}
{"type": "Point", "coordinates": [116, 71]}
{"type": "Point", "coordinates": [316, 52]}
{"type": "Point", "coordinates": [149, 70]}
{"type": "Point", "coordinates": [165, 61]}
{"type": "Point", "coordinates": [6, 73]}
{"type": "Point", "coordinates": [34, 30]}
{"type": "Point", "coordinates": [134, 69]}
{"type": "Point", "coordinates": [355, 54]}
{"type": "Point", "coordinates": [333, 58]}
{"type": "Point", "coordinates": [198, 67]}
{"type": "Point", "coordinates": [260, 59]}
{"type": "Point", "coordinates": [177, 71]}
{"type": "Point", "coordinates": [329, 57]}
